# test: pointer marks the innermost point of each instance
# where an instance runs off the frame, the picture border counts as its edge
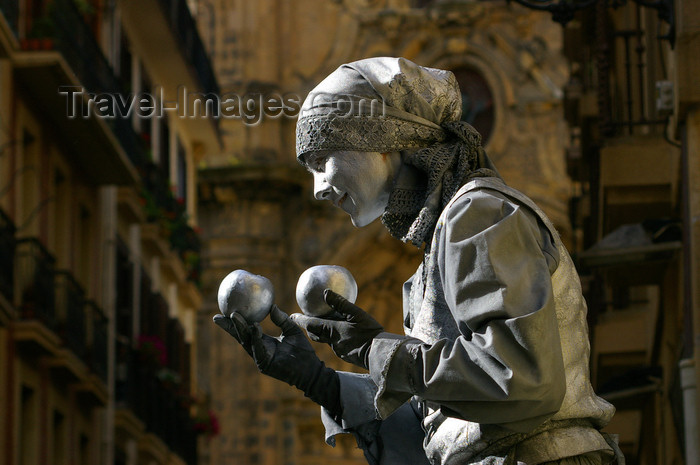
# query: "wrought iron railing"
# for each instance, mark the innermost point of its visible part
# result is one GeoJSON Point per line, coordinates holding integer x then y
{"type": "Point", "coordinates": [57, 300]}
{"type": "Point", "coordinates": [628, 65]}
{"type": "Point", "coordinates": [155, 402]}
{"type": "Point", "coordinates": [7, 255]}
{"type": "Point", "coordinates": [70, 313]}
{"type": "Point", "coordinates": [152, 378]}
{"type": "Point", "coordinates": [34, 282]}
{"type": "Point", "coordinates": [76, 42]}
{"type": "Point", "coordinates": [185, 29]}
{"type": "Point", "coordinates": [74, 38]}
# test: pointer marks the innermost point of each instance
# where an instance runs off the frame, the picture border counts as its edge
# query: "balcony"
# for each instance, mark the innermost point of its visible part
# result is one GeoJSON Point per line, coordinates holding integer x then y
{"type": "Point", "coordinates": [159, 402]}
{"type": "Point", "coordinates": [69, 57]}
{"type": "Point", "coordinates": [157, 26]}
{"type": "Point", "coordinates": [152, 376]}
{"type": "Point", "coordinates": [97, 342]}
{"type": "Point", "coordinates": [76, 42]}
{"type": "Point", "coordinates": [185, 29]}
{"type": "Point", "coordinates": [56, 321]}
{"type": "Point", "coordinates": [34, 288]}
{"type": "Point", "coordinates": [162, 209]}
{"type": "Point", "coordinates": [70, 313]}
{"type": "Point", "coordinates": [619, 73]}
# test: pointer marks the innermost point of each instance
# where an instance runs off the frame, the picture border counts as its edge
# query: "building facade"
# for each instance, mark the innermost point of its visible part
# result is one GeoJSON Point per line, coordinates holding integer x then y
{"type": "Point", "coordinates": [631, 103]}
{"type": "Point", "coordinates": [99, 272]}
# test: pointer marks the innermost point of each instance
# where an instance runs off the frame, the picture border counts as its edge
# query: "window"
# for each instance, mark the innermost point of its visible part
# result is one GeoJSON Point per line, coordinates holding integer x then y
{"type": "Point", "coordinates": [27, 436]}
{"type": "Point", "coordinates": [59, 438]}
{"type": "Point", "coordinates": [62, 211]}
{"type": "Point", "coordinates": [181, 173]}
{"type": "Point", "coordinates": [125, 291]}
{"type": "Point", "coordinates": [477, 101]}
{"type": "Point", "coordinates": [124, 61]}
{"type": "Point", "coordinates": [83, 247]}
{"type": "Point", "coordinates": [164, 147]}
{"type": "Point", "coordinates": [84, 450]}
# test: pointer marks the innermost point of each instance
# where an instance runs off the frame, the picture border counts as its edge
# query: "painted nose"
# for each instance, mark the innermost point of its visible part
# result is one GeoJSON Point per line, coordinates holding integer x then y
{"type": "Point", "coordinates": [322, 190]}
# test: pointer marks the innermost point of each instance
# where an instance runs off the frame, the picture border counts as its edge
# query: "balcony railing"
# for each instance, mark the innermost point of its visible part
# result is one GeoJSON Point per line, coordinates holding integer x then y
{"type": "Point", "coordinates": [629, 64]}
{"type": "Point", "coordinates": [76, 42]}
{"type": "Point", "coordinates": [159, 404]}
{"type": "Point", "coordinates": [58, 301]}
{"type": "Point", "coordinates": [34, 282]}
{"type": "Point", "coordinates": [70, 313]}
{"type": "Point", "coordinates": [7, 255]}
{"type": "Point", "coordinates": [185, 29]}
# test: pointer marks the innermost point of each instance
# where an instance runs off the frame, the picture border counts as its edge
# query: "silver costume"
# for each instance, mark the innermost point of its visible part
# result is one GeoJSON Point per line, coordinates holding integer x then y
{"type": "Point", "coordinates": [495, 366]}
{"type": "Point", "coordinates": [502, 358]}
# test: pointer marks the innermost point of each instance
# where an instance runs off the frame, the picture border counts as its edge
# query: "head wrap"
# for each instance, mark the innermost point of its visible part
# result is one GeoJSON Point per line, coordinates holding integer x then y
{"type": "Point", "coordinates": [389, 105]}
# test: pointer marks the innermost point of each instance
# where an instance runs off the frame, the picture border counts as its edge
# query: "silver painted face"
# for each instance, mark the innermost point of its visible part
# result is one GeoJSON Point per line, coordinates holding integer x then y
{"type": "Point", "coordinates": [246, 293]}
{"type": "Point", "coordinates": [317, 279]}
{"type": "Point", "coordinates": [357, 182]}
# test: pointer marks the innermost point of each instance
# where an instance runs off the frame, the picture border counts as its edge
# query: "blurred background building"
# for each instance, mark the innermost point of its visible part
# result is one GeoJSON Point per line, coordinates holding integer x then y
{"type": "Point", "coordinates": [115, 233]}
{"type": "Point", "coordinates": [99, 252]}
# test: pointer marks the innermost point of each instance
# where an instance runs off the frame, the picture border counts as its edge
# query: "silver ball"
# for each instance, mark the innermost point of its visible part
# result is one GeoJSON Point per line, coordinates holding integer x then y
{"type": "Point", "coordinates": [248, 294]}
{"type": "Point", "coordinates": [315, 280]}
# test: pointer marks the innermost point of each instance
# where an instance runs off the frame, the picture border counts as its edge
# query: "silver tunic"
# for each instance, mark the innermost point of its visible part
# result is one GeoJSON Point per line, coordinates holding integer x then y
{"type": "Point", "coordinates": [498, 351]}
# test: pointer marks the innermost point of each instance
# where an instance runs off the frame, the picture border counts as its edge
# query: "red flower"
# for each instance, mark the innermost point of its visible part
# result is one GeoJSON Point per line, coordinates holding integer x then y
{"type": "Point", "coordinates": [208, 424]}
{"type": "Point", "coordinates": [214, 427]}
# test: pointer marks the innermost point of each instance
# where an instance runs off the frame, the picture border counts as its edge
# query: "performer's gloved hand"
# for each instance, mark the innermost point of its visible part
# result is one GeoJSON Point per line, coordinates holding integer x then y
{"type": "Point", "coordinates": [350, 336]}
{"type": "Point", "coordinates": [289, 357]}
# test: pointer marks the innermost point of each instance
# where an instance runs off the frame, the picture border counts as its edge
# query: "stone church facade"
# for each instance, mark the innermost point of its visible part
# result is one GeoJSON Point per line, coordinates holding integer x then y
{"type": "Point", "coordinates": [257, 210]}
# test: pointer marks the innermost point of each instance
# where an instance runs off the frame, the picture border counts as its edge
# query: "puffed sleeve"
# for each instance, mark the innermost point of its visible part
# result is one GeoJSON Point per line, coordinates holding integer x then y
{"type": "Point", "coordinates": [495, 262]}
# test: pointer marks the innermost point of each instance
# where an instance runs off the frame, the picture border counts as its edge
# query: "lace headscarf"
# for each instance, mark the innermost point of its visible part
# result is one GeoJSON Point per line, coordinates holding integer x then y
{"type": "Point", "coordinates": [391, 105]}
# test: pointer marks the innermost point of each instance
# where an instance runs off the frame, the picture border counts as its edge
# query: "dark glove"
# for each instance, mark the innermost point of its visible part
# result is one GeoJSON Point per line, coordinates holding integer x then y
{"type": "Point", "coordinates": [350, 336]}
{"type": "Point", "coordinates": [289, 357]}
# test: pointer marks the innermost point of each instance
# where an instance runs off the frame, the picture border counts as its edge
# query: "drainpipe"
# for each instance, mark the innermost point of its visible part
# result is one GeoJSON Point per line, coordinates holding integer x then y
{"type": "Point", "coordinates": [108, 204]}
{"type": "Point", "coordinates": [690, 409]}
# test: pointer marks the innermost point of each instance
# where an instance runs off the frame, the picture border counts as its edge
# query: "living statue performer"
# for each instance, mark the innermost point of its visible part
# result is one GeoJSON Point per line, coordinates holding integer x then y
{"type": "Point", "coordinates": [493, 366]}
